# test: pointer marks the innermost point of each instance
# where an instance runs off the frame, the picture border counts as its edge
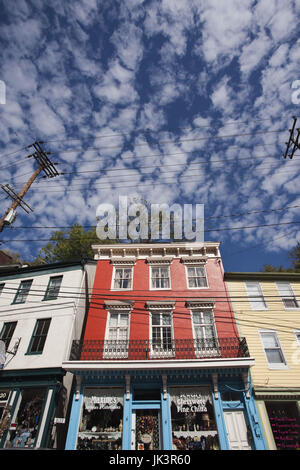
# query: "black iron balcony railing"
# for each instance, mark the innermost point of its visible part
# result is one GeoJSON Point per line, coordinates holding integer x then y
{"type": "Point", "coordinates": [137, 350]}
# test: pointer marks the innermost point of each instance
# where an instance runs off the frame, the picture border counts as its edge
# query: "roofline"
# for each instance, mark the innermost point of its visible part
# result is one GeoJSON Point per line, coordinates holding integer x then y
{"type": "Point", "coordinates": [17, 269]}
{"type": "Point", "coordinates": [233, 276]}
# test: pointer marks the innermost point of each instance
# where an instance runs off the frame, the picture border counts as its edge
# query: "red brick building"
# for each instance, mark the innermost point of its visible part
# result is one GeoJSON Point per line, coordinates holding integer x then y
{"type": "Point", "coordinates": [161, 347]}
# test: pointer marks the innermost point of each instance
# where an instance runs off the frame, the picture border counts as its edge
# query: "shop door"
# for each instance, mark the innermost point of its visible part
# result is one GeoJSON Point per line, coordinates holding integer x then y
{"type": "Point", "coordinates": [236, 430]}
{"type": "Point", "coordinates": [145, 430]}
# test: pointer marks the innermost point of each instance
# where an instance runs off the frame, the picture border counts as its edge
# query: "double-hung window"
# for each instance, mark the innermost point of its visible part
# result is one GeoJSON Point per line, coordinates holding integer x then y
{"type": "Point", "coordinates": [22, 292]}
{"type": "Point", "coordinates": [255, 296]}
{"type": "Point", "coordinates": [273, 351]}
{"type": "Point", "coordinates": [7, 332]}
{"type": "Point", "coordinates": [160, 277]}
{"type": "Point", "coordinates": [161, 333]}
{"type": "Point", "coordinates": [53, 288]}
{"type": "Point", "coordinates": [205, 336]}
{"type": "Point", "coordinates": [196, 277]}
{"type": "Point", "coordinates": [287, 295]}
{"type": "Point", "coordinates": [117, 334]}
{"type": "Point", "coordinates": [122, 278]}
{"type": "Point", "coordinates": [39, 336]}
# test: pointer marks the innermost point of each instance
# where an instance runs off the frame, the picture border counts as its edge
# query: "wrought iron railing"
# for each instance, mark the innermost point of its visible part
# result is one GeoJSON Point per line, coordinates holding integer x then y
{"type": "Point", "coordinates": [96, 350]}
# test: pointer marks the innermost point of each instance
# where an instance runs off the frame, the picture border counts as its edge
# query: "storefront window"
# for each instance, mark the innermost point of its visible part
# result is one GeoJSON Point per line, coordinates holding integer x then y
{"type": "Point", "coordinates": [193, 420]}
{"type": "Point", "coordinates": [101, 419]}
{"type": "Point", "coordinates": [285, 423]}
{"type": "Point", "coordinates": [28, 418]}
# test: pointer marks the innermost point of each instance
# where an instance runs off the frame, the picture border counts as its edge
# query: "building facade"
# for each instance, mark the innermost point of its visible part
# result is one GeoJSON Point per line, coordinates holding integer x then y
{"type": "Point", "coordinates": [267, 310]}
{"type": "Point", "coordinates": [42, 310]}
{"type": "Point", "coordinates": [161, 365]}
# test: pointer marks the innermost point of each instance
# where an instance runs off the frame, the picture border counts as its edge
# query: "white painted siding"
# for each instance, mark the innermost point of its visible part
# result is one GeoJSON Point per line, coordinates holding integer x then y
{"type": "Point", "coordinates": [66, 313]}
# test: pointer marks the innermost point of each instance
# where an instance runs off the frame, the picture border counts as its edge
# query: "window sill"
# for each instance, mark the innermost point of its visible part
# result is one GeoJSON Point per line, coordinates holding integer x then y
{"type": "Point", "coordinates": [278, 367]}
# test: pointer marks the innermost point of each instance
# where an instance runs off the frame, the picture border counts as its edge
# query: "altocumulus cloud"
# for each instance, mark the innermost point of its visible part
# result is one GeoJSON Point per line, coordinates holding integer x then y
{"type": "Point", "coordinates": [170, 101]}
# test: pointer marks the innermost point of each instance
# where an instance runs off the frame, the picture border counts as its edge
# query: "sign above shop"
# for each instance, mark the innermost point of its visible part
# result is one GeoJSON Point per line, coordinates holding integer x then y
{"type": "Point", "coordinates": [190, 402]}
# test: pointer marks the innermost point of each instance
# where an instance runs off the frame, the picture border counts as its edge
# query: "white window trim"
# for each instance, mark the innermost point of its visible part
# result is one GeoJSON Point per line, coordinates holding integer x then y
{"type": "Point", "coordinates": [297, 333]}
{"type": "Point", "coordinates": [167, 353]}
{"type": "Point", "coordinates": [198, 352]}
{"type": "Point", "coordinates": [279, 366]}
{"type": "Point", "coordinates": [187, 276]}
{"type": "Point", "coordinates": [250, 297]}
{"type": "Point", "coordinates": [121, 266]}
{"type": "Point", "coordinates": [150, 277]}
{"type": "Point", "coordinates": [112, 354]}
{"type": "Point", "coordinates": [285, 297]}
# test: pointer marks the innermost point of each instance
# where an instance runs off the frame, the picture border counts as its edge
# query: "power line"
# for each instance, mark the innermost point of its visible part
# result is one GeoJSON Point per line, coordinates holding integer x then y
{"type": "Point", "coordinates": [205, 231]}
{"type": "Point", "coordinates": [134, 183]}
{"type": "Point", "coordinates": [178, 140]}
{"type": "Point", "coordinates": [206, 218]}
{"type": "Point", "coordinates": [146, 131]}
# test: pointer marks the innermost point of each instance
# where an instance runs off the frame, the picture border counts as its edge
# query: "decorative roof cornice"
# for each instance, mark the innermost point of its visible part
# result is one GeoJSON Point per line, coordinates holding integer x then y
{"type": "Point", "coordinates": [146, 250]}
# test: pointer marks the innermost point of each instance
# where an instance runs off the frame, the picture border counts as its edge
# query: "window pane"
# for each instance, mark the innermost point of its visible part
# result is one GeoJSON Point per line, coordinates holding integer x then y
{"type": "Point", "coordinates": [274, 356]}
{"type": "Point", "coordinates": [7, 332]}
{"type": "Point", "coordinates": [255, 294]}
{"type": "Point", "coordinates": [208, 317]}
{"type": "Point", "coordinates": [166, 319]}
{"type": "Point", "coordinates": [53, 288]}
{"type": "Point", "coordinates": [112, 334]}
{"type": "Point", "coordinates": [197, 317]}
{"type": "Point", "coordinates": [113, 319]}
{"type": "Point", "coordinates": [123, 319]}
{"type": "Point", "coordinates": [155, 319]}
{"type": "Point", "coordinates": [23, 290]}
{"type": "Point", "coordinates": [290, 303]}
{"type": "Point", "coordinates": [40, 335]}
{"type": "Point", "coordinates": [269, 340]}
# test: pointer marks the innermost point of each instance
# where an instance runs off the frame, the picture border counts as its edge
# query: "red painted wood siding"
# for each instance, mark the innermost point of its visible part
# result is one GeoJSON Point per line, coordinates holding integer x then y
{"type": "Point", "coordinates": [139, 324]}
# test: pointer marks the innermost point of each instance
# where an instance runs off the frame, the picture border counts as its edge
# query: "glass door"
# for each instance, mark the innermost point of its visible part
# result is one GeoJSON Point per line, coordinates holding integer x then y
{"type": "Point", "coordinates": [145, 431]}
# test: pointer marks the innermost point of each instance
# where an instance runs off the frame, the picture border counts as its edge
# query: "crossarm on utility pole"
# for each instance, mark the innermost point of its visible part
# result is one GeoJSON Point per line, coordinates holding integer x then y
{"type": "Point", "coordinates": [21, 194]}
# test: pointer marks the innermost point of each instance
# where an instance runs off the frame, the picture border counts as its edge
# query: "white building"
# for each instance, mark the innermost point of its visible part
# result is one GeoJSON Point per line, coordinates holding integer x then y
{"type": "Point", "coordinates": [42, 310]}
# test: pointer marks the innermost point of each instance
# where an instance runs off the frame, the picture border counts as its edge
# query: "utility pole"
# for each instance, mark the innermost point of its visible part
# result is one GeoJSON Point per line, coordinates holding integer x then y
{"type": "Point", "coordinates": [45, 165]}
{"type": "Point", "coordinates": [292, 140]}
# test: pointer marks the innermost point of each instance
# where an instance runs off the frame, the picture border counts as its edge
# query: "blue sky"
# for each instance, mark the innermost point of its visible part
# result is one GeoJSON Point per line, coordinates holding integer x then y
{"type": "Point", "coordinates": [169, 101]}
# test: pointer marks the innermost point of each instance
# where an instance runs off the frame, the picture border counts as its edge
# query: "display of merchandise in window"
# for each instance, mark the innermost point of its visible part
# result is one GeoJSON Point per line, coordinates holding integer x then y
{"type": "Point", "coordinates": [193, 421]}
{"type": "Point", "coordinates": [147, 430]}
{"type": "Point", "coordinates": [5, 412]}
{"type": "Point", "coordinates": [27, 420]}
{"type": "Point", "coordinates": [101, 421]}
{"type": "Point", "coordinates": [285, 424]}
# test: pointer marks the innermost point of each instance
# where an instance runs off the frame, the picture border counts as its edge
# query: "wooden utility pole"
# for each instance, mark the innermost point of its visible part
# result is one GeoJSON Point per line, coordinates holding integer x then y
{"type": "Point", "coordinates": [45, 165]}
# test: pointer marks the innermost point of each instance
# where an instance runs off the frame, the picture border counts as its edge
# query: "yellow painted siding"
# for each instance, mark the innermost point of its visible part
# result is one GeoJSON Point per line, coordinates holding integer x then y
{"type": "Point", "coordinates": [284, 321]}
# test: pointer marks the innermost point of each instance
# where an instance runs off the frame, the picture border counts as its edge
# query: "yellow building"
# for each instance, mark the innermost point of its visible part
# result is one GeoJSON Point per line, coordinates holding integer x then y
{"type": "Point", "coordinates": [267, 311]}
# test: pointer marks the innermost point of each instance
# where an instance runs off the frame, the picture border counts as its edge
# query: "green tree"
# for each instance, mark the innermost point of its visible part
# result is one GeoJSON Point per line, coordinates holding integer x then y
{"type": "Point", "coordinates": [294, 256]}
{"type": "Point", "coordinates": [69, 245]}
